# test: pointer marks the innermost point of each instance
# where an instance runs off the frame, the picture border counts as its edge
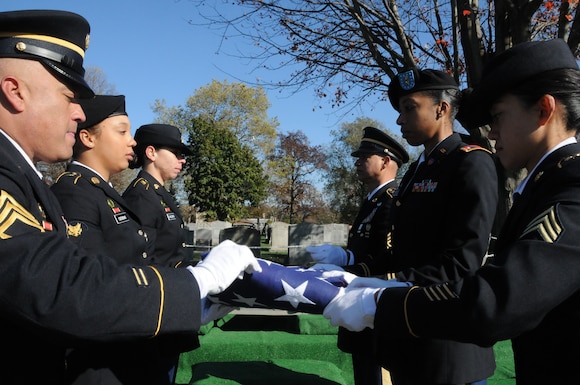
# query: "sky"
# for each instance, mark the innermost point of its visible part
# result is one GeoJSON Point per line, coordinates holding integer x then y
{"type": "Point", "coordinates": [148, 50]}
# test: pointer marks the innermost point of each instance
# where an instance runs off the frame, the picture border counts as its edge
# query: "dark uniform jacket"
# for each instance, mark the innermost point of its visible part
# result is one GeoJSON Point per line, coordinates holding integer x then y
{"type": "Point", "coordinates": [442, 218]}
{"type": "Point", "coordinates": [99, 220]}
{"type": "Point", "coordinates": [530, 292]}
{"type": "Point", "coordinates": [160, 215]}
{"type": "Point", "coordinates": [367, 238]}
{"type": "Point", "coordinates": [53, 295]}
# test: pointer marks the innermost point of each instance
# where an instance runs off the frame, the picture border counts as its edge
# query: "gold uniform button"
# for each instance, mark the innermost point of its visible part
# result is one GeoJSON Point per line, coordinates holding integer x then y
{"type": "Point", "coordinates": [144, 255]}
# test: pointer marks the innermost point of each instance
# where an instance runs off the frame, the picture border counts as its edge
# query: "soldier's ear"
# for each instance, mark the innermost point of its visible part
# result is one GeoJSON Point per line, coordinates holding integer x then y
{"type": "Point", "coordinates": [86, 138]}
{"type": "Point", "coordinates": [546, 108]}
{"type": "Point", "coordinates": [12, 93]}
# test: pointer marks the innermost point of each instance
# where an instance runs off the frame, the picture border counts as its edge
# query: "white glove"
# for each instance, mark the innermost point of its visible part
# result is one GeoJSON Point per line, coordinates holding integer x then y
{"type": "Point", "coordinates": [355, 310]}
{"type": "Point", "coordinates": [331, 254]}
{"type": "Point", "coordinates": [326, 267]}
{"type": "Point", "coordinates": [348, 277]}
{"type": "Point", "coordinates": [377, 283]}
{"type": "Point", "coordinates": [211, 311]}
{"type": "Point", "coordinates": [224, 263]}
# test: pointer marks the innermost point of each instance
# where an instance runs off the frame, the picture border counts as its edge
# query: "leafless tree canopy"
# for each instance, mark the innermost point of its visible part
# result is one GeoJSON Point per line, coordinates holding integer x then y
{"type": "Point", "coordinates": [348, 50]}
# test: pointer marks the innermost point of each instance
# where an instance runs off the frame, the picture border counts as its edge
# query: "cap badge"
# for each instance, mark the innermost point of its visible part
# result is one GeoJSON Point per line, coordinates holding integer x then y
{"type": "Point", "coordinates": [407, 80]}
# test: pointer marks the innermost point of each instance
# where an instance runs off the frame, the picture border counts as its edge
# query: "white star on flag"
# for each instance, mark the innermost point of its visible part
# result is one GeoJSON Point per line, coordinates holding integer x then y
{"type": "Point", "coordinates": [294, 295]}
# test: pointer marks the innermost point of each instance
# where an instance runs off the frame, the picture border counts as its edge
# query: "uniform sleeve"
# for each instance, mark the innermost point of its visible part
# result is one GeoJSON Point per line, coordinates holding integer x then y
{"type": "Point", "coordinates": [466, 227]}
{"type": "Point", "coordinates": [533, 280]}
{"type": "Point", "coordinates": [48, 284]}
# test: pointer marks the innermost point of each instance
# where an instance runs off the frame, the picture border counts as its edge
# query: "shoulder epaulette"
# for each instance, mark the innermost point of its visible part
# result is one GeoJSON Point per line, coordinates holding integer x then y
{"type": "Point", "coordinates": [69, 174]}
{"type": "Point", "coordinates": [568, 158]}
{"type": "Point", "coordinates": [473, 147]}
{"type": "Point", "coordinates": [143, 182]}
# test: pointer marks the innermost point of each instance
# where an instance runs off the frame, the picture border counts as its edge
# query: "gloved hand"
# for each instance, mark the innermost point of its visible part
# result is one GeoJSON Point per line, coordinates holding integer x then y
{"type": "Point", "coordinates": [345, 275]}
{"type": "Point", "coordinates": [355, 310]}
{"type": "Point", "coordinates": [377, 283]}
{"type": "Point", "coordinates": [326, 267]}
{"type": "Point", "coordinates": [224, 263]}
{"type": "Point", "coordinates": [211, 311]}
{"type": "Point", "coordinates": [331, 254]}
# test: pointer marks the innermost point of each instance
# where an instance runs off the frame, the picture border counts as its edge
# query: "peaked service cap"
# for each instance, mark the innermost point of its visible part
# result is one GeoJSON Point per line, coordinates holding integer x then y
{"type": "Point", "coordinates": [375, 141]}
{"type": "Point", "coordinates": [57, 39]}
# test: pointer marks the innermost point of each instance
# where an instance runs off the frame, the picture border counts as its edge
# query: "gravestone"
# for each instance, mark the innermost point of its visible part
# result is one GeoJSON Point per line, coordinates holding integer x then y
{"type": "Point", "coordinates": [203, 239]}
{"type": "Point", "coordinates": [243, 235]}
{"type": "Point", "coordinates": [279, 239]}
{"type": "Point", "coordinates": [299, 237]}
{"type": "Point", "coordinates": [189, 240]}
{"type": "Point", "coordinates": [336, 234]}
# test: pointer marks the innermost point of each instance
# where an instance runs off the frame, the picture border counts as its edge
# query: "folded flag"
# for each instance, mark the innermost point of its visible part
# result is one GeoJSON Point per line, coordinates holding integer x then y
{"type": "Point", "coordinates": [282, 287]}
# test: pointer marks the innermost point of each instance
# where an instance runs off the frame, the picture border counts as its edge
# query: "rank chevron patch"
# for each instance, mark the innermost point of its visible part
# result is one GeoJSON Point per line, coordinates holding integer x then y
{"type": "Point", "coordinates": [547, 224]}
{"type": "Point", "coordinates": [12, 212]}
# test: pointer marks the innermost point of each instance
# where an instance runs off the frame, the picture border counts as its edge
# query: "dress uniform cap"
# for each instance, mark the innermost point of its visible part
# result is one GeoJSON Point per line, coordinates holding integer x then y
{"type": "Point", "coordinates": [57, 39]}
{"type": "Point", "coordinates": [414, 80]}
{"type": "Point", "coordinates": [375, 141]}
{"type": "Point", "coordinates": [100, 108]}
{"type": "Point", "coordinates": [160, 135]}
{"type": "Point", "coordinates": [514, 66]}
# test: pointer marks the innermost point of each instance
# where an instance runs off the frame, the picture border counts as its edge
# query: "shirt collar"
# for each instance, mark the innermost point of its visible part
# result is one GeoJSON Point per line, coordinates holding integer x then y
{"type": "Point", "coordinates": [524, 182]}
{"type": "Point", "coordinates": [372, 193]}
{"type": "Point", "coordinates": [21, 151]}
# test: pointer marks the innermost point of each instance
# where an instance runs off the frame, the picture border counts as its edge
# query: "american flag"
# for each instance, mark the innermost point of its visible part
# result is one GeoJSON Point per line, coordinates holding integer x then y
{"type": "Point", "coordinates": [282, 287]}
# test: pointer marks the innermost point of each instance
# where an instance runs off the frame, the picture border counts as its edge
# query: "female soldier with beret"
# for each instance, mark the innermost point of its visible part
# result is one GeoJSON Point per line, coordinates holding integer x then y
{"type": "Point", "coordinates": [530, 292]}
{"type": "Point", "coordinates": [99, 220]}
{"type": "Point", "coordinates": [441, 220]}
{"type": "Point", "coordinates": [161, 154]}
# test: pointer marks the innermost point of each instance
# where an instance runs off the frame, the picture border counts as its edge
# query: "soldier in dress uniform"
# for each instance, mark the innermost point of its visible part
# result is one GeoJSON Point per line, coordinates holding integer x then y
{"type": "Point", "coordinates": [100, 221]}
{"type": "Point", "coordinates": [98, 218]}
{"type": "Point", "coordinates": [378, 160]}
{"type": "Point", "coordinates": [442, 218]}
{"type": "Point", "coordinates": [530, 292]}
{"type": "Point", "coordinates": [161, 155]}
{"type": "Point", "coordinates": [54, 295]}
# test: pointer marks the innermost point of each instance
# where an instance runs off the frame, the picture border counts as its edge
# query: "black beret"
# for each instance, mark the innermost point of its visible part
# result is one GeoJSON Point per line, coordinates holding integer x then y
{"type": "Point", "coordinates": [100, 108]}
{"type": "Point", "coordinates": [414, 80]}
{"type": "Point", "coordinates": [516, 65]}
{"type": "Point", "coordinates": [57, 39]}
{"type": "Point", "coordinates": [375, 141]}
{"type": "Point", "coordinates": [157, 134]}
